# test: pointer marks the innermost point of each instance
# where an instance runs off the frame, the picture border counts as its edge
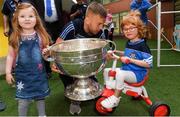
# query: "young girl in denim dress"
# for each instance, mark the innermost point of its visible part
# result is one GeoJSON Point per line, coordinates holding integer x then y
{"type": "Point", "coordinates": [27, 40]}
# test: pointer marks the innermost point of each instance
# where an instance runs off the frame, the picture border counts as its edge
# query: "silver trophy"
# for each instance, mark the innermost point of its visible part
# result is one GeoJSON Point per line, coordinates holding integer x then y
{"type": "Point", "coordinates": [81, 58]}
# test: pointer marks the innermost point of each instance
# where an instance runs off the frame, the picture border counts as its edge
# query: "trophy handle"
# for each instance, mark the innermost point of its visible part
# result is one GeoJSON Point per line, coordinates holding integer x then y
{"type": "Point", "coordinates": [101, 67]}
{"type": "Point", "coordinates": [104, 62]}
{"type": "Point", "coordinates": [109, 42]}
{"type": "Point", "coordinates": [113, 44]}
{"type": "Point", "coordinates": [49, 57]}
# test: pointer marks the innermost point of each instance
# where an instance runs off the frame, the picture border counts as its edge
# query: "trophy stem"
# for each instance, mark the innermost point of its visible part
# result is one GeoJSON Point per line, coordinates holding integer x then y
{"type": "Point", "coordinates": [83, 90]}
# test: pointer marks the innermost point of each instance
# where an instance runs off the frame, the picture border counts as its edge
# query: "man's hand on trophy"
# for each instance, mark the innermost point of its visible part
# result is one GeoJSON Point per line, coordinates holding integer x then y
{"type": "Point", "coordinates": [54, 68]}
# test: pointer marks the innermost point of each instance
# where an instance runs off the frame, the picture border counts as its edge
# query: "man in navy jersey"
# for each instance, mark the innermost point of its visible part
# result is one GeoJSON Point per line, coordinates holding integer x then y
{"type": "Point", "coordinates": [90, 27]}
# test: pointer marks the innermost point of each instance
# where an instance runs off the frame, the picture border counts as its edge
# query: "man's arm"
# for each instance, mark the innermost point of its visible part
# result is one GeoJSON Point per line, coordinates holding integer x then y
{"type": "Point", "coordinates": [59, 40]}
{"type": "Point", "coordinates": [74, 12]}
{"type": "Point", "coordinates": [72, 16]}
{"type": "Point", "coordinates": [68, 32]}
{"type": "Point", "coordinates": [133, 6]}
{"type": "Point", "coordinates": [6, 25]}
{"type": "Point", "coordinates": [5, 11]}
{"type": "Point", "coordinates": [145, 6]}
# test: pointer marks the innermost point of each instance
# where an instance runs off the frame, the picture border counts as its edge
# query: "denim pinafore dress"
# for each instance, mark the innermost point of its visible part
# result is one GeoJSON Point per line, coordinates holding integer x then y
{"type": "Point", "coordinates": [30, 73]}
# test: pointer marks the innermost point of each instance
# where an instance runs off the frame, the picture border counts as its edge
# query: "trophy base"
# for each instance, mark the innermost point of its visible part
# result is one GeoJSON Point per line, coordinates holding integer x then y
{"type": "Point", "coordinates": [83, 90]}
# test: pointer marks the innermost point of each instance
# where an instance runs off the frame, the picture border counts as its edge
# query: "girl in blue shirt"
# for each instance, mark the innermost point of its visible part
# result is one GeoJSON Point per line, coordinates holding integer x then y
{"type": "Point", "coordinates": [136, 52]}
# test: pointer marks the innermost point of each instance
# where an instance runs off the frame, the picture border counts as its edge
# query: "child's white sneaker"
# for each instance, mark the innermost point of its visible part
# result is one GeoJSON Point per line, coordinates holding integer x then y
{"type": "Point", "coordinates": [110, 102]}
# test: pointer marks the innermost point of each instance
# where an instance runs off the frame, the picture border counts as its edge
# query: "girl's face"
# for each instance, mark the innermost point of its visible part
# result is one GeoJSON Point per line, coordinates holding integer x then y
{"type": "Point", "coordinates": [130, 31]}
{"type": "Point", "coordinates": [27, 19]}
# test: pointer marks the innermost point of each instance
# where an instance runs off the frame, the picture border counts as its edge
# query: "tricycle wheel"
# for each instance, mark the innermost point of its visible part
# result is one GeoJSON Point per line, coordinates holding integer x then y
{"type": "Point", "coordinates": [159, 109]}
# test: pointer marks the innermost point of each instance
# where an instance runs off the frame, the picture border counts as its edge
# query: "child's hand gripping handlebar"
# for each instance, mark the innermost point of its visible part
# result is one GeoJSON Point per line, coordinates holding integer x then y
{"type": "Point", "coordinates": [123, 59]}
{"type": "Point", "coordinates": [110, 84]}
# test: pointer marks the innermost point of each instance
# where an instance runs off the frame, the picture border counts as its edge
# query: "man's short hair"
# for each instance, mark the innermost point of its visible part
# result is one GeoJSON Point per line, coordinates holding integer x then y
{"type": "Point", "coordinates": [98, 9]}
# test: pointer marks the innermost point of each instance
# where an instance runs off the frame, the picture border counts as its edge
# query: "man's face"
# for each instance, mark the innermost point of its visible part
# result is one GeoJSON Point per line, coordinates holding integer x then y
{"type": "Point", "coordinates": [95, 23]}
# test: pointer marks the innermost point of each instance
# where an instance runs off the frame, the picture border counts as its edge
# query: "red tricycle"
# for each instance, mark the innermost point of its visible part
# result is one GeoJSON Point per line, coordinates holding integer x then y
{"type": "Point", "coordinates": [136, 91]}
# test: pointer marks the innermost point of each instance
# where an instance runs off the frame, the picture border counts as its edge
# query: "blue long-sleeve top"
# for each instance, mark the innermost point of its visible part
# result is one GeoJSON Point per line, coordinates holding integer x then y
{"type": "Point", "coordinates": [143, 7]}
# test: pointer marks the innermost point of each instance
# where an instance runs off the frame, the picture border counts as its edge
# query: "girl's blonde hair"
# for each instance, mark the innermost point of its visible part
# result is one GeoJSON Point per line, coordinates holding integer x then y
{"type": "Point", "coordinates": [133, 18]}
{"type": "Point", "coordinates": [17, 29]}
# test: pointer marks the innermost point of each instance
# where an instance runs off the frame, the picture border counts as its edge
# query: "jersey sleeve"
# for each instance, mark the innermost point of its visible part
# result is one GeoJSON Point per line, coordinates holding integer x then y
{"type": "Point", "coordinates": [148, 58]}
{"type": "Point", "coordinates": [133, 6]}
{"type": "Point", "coordinates": [68, 31]}
{"type": "Point", "coordinates": [146, 53]}
{"type": "Point", "coordinates": [145, 6]}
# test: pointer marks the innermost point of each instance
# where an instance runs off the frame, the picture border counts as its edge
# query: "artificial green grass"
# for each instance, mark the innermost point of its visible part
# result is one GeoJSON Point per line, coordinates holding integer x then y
{"type": "Point", "coordinates": [163, 85]}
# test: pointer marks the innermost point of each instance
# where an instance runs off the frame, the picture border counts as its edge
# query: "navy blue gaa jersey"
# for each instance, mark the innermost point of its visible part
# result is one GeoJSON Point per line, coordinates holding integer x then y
{"type": "Point", "coordinates": [138, 50]}
{"type": "Point", "coordinates": [75, 30]}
